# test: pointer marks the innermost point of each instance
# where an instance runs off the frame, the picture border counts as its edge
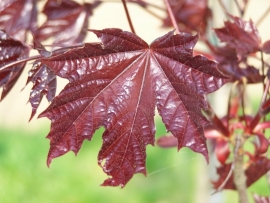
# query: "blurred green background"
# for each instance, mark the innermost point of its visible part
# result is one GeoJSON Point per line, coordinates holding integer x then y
{"type": "Point", "coordinates": [173, 177]}
{"type": "Point", "coordinates": [24, 176]}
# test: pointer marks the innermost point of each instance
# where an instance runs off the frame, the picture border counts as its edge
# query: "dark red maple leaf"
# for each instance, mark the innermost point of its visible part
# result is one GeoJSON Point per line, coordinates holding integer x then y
{"type": "Point", "coordinates": [44, 83]}
{"type": "Point", "coordinates": [241, 35]}
{"type": "Point", "coordinates": [43, 79]}
{"type": "Point", "coordinates": [236, 73]}
{"type": "Point", "coordinates": [266, 47]}
{"type": "Point", "coordinates": [17, 17]}
{"type": "Point", "coordinates": [191, 15]}
{"type": "Point", "coordinates": [221, 145]}
{"type": "Point", "coordinates": [10, 50]}
{"type": "Point", "coordinates": [257, 169]}
{"type": "Point", "coordinates": [236, 68]}
{"type": "Point", "coordinates": [117, 84]}
{"type": "Point", "coordinates": [64, 17]}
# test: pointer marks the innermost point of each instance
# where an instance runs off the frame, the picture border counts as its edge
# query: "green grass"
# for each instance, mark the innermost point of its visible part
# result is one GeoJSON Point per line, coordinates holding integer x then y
{"type": "Point", "coordinates": [172, 176]}
{"type": "Point", "coordinates": [24, 176]}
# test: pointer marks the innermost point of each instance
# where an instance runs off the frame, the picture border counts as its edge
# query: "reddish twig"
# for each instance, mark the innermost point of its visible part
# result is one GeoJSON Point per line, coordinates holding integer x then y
{"type": "Point", "coordinates": [224, 9]}
{"type": "Point", "coordinates": [225, 181]}
{"type": "Point", "coordinates": [128, 16]}
{"type": "Point", "coordinates": [239, 8]}
{"type": "Point", "coordinates": [20, 61]}
{"type": "Point", "coordinates": [242, 92]}
{"type": "Point", "coordinates": [258, 115]}
{"type": "Point", "coordinates": [263, 75]}
{"type": "Point", "coordinates": [62, 49]}
{"type": "Point", "coordinates": [172, 16]}
{"type": "Point", "coordinates": [229, 101]}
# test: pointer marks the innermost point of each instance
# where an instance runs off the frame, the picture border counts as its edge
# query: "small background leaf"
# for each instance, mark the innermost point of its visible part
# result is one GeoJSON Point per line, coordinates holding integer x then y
{"type": "Point", "coordinates": [63, 17]}
{"type": "Point", "coordinates": [241, 35]}
{"type": "Point", "coordinates": [11, 50]}
{"type": "Point", "coordinates": [17, 17]}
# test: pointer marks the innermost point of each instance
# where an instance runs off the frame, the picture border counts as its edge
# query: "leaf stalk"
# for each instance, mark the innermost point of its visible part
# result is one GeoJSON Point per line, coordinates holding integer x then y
{"type": "Point", "coordinates": [172, 16]}
{"type": "Point", "coordinates": [128, 17]}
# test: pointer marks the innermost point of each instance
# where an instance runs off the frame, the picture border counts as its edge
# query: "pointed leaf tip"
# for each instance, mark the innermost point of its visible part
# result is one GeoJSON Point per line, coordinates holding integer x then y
{"type": "Point", "coordinates": [241, 35]}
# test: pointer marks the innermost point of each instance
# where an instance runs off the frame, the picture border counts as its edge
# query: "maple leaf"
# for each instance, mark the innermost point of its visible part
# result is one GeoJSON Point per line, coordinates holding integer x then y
{"type": "Point", "coordinates": [256, 169]}
{"type": "Point", "coordinates": [250, 73]}
{"type": "Point", "coordinates": [189, 14]}
{"type": "Point", "coordinates": [241, 35]}
{"type": "Point", "coordinates": [44, 83]}
{"type": "Point", "coordinates": [43, 79]}
{"type": "Point", "coordinates": [10, 51]}
{"type": "Point", "coordinates": [117, 84]}
{"type": "Point", "coordinates": [17, 17]}
{"type": "Point", "coordinates": [64, 17]}
{"type": "Point", "coordinates": [221, 146]}
{"type": "Point", "coordinates": [230, 65]}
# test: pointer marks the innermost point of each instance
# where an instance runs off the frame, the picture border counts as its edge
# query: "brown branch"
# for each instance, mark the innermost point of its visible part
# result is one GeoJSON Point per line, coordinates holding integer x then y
{"type": "Point", "coordinates": [239, 176]}
{"type": "Point", "coordinates": [128, 16]}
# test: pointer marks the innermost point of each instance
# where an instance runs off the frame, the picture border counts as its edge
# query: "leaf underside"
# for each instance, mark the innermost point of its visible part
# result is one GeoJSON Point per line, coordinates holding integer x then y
{"type": "Point", "coordinates": [240, 35]}
{"type": "Point", "coordinates": [117, 84]}
{"type": "Point", "coordinates": [190, 15]}
{"type": "Point", "coordinates": [64, 17]}
{"type": "Point", "coordinates": [17, 17]}
{"type": "Point", "coordinates": [10, 51]}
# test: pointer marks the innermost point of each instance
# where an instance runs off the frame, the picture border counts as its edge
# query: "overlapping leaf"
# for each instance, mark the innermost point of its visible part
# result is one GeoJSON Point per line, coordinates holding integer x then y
{"type": "Point", "coordinates": [190, 14]}
{"type": "Point", "coordinates": [10, 50]}
{"type": "Point", "coordinates": [241, 35]}
{"type": "Point", "coordinates": [257, 169]}
{"type": "Point", "coordinates": [266, 47]}
{"type": "Point", "coordinates": [67, 21]}
{"type": "Point", "coordinates": [43, 79]}
{"type": "Point", "coordinates": [117, 84]}
{"type": "Point", "coordinates": [44, 83]}
{"type": "Point", "coordinates": [18, 16]}
{"type": "Point", "coordinates": [229, 64]}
